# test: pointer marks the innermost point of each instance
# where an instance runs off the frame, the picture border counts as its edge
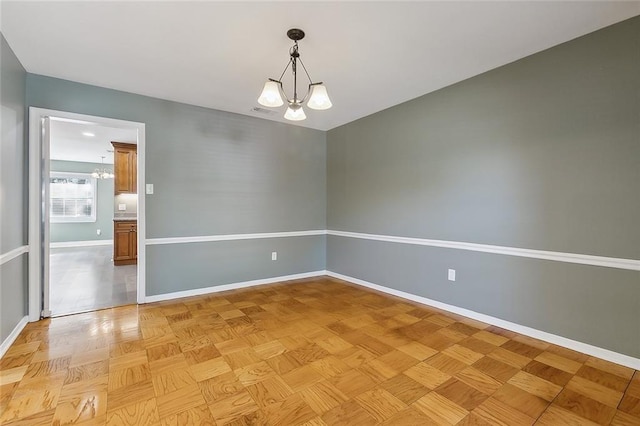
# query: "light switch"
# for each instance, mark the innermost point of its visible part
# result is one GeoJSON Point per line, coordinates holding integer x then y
{"type": "Point", "coordinates": [122, 207]}
{"type": "Point", "coordinates": [149, 188]}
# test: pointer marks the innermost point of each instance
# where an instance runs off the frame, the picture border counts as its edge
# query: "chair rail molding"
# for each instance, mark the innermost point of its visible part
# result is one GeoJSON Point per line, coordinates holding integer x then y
{"type": "Point", "coordinates": [12, 254]}
{"type": "Point", "coordinates": [584, 259]}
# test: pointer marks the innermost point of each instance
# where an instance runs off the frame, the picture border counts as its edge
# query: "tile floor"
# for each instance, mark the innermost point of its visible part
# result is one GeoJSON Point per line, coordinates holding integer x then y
{"type": "Point", "coordinates": [85, 279]}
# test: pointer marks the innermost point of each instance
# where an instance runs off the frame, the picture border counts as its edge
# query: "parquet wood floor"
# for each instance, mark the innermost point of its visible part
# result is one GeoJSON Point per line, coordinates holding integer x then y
{"type": "Point", "coordinates": [309, 352]}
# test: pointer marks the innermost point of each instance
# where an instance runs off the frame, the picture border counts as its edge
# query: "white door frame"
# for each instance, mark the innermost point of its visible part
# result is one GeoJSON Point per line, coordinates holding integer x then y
{"type": "Point", "coordinates": [38, 165]}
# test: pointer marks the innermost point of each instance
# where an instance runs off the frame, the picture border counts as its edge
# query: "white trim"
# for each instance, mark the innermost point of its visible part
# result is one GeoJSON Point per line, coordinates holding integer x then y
{"type": "Point", "coordinates": [232, 237]}
{"type": "Point", "coordinates": [141, 214]}
{"type": "Point", "coordinates": [6, 343]}
{"type": "Point", "coordinates": [35, 214]}
{"type": "Point", "coordinates": [45, 170]}
{"type": "Point", "coordinates": [585, 348]}
{"type": "Point", "coordinates": [10, 255]}
{"type": "Point", "coordinates": [38, 236]}
{"type": "Point", "coordinates": [65, 244]}
{"type": "Point", "coordinates": [232, 286]}
{"type": "Point", "coordinates": [584, 259]}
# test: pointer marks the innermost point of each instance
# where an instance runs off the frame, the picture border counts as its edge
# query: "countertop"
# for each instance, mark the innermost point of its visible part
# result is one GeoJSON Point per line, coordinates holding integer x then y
{"type": "Point", "coordinates": [121, 218]}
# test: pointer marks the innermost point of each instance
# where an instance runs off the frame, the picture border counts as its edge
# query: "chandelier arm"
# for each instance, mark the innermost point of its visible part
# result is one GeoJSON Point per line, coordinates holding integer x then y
{"type": "Point", "coordinates": [305, 70]}
{"type": "Point", "coordinates": [303, 100]}
{"type": "Point", "coordinates": [280, 80]}
{"type": "Point", "coordinates": [311, 83]}
{"type": "Point", "coordinates": [285, 70]}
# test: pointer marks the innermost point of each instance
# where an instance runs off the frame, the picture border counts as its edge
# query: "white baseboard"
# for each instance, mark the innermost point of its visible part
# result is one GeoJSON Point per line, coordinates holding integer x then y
{"type": "Point", "coordinates": [232, 286]}
{"type": "Point", "coordinates": [6, 344]}
{"type": "Point", "coordinates": [66, 244]}
{"type": "Point", "coordinates": [585, 348]}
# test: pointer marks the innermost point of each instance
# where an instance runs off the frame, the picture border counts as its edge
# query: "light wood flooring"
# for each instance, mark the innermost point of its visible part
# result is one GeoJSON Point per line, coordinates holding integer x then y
{"type": "Point", "coordinates": [313, 352]}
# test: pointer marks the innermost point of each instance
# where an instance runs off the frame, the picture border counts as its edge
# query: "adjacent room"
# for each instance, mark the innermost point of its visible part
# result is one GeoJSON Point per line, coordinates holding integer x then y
{"type": "Point", "coordinates": [86, 212]}
{"type": "Point", "coordinates": [320, 213]}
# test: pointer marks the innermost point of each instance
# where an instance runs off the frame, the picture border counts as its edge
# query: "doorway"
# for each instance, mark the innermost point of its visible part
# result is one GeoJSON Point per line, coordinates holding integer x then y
{"type": "Point", "coordinates": [73, 208]}
{"type": "Point", "coordinates": [82, 209]}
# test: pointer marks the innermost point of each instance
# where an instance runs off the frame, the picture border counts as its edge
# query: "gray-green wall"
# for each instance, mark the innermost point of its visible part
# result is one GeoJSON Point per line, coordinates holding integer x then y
{"type": "Point", "coordinates": [86, 231]}
{"type": "Point", "coordinates": [214, 173]}
{"type": "Point", "coordinates": [543, 153]}
{"type": "Point", "coordinates": [13, 190]}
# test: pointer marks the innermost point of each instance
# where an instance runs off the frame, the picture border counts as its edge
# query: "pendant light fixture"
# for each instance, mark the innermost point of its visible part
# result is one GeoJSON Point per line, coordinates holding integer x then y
{"type": "Point", "coordinates": [273, 92]}
{"type": "Point", "coordinates": [102, 173]}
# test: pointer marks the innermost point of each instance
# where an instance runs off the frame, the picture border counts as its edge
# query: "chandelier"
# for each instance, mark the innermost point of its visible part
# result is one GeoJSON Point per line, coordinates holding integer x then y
{"type": "Point", "coordinates": [102, 173]}
{"type": "Point", "coordinates": [273, 92]}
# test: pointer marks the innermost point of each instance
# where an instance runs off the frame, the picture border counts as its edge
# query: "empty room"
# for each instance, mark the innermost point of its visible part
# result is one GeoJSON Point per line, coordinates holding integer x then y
{"type": "Point", "coordinates": [320, 213]}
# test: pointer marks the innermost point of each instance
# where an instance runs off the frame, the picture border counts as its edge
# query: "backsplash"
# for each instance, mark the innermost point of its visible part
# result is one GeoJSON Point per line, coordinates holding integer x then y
{"type": "Point", "coordinates": [131, 203]}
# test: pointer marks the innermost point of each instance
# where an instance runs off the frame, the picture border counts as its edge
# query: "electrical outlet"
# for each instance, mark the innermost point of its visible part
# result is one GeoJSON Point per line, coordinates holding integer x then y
{"type": "Point", "coordinates": [274, 255]}
{"type": "Point", "coordinates": [99, 231]}
{"type": "Point", "coordinates": [149, 188]}
{"type": "Point", "coordinates": [452, 275]}
{"type": "Point", "coordinates": [122, 207]}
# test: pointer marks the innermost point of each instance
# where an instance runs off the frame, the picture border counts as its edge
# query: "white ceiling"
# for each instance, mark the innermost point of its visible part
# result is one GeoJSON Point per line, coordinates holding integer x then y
{"type": "Point", "coordinates": [69, 141]}
{"type": "Point", "coordinates": [371, 55]}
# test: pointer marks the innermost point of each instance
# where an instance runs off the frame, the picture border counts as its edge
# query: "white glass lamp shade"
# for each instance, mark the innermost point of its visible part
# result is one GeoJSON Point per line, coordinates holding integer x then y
{"type": "Point", "coordinates": [95, 174]}
{"type": "Point", "coordinates": [295, 113]}
{"type": "Point", "coordinates": [319, 98]}
{"type": "Point", "coordinates": [270, 96]}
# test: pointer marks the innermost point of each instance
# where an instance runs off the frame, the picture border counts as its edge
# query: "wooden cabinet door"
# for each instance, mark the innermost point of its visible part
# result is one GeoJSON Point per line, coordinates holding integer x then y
{"type": "Point", "coordinates": [125, 242]}
{"type": "Point", "coordinates": [122, 242]}
{"type": "Point", "coordinates": [122, 171]}
{"type": "Point", "coordinates": [133, 179]}
{"type": "Point", "coordinates": [125, 167]}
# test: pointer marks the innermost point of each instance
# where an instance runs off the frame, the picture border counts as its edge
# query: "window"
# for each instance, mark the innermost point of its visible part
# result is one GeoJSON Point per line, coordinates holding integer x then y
{"type": "Point", "coordinates": [72, 197]}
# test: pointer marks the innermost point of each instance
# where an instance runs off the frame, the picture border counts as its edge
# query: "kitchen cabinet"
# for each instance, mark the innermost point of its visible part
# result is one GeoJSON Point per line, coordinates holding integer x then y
{"type": "Point", "coordinates": [125, 167]}
{"type": "Point", "coordinates": [125, 242]}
